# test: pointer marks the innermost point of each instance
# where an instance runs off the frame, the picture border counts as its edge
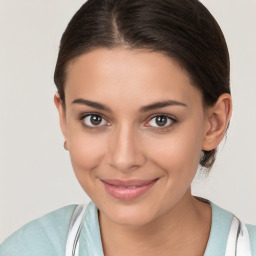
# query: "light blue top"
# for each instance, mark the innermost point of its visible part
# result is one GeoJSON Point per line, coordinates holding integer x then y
{"type": "Point", "coordinates": [47, 235]}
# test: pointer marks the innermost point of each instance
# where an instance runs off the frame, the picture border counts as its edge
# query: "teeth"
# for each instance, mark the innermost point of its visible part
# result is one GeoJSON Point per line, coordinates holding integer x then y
{"type": "Point", "coordinates": [128, 187]}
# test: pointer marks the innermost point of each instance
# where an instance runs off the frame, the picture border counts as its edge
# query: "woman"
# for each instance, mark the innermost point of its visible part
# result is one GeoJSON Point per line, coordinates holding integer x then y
{"type": "Point", "coordinates": [143, 99]}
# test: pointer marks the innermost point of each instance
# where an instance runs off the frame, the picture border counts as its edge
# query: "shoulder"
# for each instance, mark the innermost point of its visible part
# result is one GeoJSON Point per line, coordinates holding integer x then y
{"type": "Point", "coordinates": [223, 218]}
{"type": "Point", "coordinates": [43, 236]}
{"type": "Point", "coordinates": [252, 235]}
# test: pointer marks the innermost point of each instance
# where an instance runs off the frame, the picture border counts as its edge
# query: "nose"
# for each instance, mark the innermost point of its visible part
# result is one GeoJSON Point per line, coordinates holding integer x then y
{"type": "Point", "coordinates": [124, 152]}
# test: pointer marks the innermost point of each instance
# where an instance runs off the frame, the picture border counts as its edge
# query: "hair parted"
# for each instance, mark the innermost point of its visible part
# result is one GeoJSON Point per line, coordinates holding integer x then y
{"type": "Point", "coordinates": [183, 30]}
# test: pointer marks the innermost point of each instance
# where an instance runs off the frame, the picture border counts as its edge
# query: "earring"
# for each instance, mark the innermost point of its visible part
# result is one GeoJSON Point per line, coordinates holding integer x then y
{"type": "Point", "coordinates": [65, 145]}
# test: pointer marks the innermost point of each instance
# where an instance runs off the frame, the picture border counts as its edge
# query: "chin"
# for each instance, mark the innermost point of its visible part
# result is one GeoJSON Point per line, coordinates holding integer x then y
{"type": "Point", "coordinates": [130, 215]}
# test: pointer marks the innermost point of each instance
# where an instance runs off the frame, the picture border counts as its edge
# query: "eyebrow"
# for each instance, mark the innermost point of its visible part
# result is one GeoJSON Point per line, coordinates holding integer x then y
{"type": "Point", "coordinates": [162, 105]}
{"type": "Point", "coordinates": [147, 108]}
{"type": "Point", "coordinates": [92, 104]}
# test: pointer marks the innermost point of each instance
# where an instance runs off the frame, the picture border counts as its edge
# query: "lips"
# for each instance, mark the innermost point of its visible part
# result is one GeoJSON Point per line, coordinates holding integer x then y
{"type": "Point", "coordinates": [127, 189]}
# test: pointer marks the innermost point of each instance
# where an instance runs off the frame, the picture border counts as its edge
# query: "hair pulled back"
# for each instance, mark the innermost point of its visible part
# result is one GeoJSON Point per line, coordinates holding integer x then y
{"type": "Point", "coordinates": [181, 29]}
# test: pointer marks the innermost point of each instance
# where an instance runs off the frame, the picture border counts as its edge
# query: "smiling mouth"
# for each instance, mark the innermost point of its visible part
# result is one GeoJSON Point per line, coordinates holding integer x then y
{"type": "Point", "coordinates": [128, 189]}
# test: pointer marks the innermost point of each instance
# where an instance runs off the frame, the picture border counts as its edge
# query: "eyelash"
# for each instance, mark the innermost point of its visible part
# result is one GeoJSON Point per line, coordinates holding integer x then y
{"type": "Point", "coordinates": [83, 116]}
{"type": "Point", "coordinates": [172, 119]}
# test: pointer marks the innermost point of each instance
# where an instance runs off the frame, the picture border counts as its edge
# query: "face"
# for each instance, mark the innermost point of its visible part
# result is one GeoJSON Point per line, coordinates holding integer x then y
{"type": "Point", "coordinates": [134, 127]}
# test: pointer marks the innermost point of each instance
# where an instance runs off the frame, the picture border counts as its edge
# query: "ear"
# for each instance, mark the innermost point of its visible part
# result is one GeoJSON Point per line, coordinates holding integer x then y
{"type": "Point", "coordinates": [218, 117]}
{"type": "Point", "coordinates": [62, 115]}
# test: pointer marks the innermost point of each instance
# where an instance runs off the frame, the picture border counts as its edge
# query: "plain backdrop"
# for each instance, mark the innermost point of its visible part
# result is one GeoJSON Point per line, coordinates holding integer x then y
{"type": "Point", "coordinates": [35, 171]}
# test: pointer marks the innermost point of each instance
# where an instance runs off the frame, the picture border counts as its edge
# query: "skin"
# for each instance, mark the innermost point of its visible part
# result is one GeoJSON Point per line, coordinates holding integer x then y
{"type": "Point", "coordinates": [130, 144]}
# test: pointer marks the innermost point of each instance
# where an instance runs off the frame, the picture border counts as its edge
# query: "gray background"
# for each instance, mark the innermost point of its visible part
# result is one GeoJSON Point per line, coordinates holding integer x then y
{"type": "Point", "coordinates": [35, 171]}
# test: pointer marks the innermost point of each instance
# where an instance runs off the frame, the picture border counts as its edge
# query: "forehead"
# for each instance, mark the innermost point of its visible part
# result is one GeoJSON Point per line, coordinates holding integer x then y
{"type": "Point", "coordinates": [108, 74]}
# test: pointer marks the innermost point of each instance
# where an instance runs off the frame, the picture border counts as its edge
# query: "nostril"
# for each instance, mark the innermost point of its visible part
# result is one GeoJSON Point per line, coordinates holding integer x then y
{"type": "Point", "coordinates": [124, 153]}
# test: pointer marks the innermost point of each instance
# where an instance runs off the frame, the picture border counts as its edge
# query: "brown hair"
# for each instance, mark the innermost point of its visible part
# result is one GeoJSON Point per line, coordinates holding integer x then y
{"type": "Point", "coordinates": [181, 29]}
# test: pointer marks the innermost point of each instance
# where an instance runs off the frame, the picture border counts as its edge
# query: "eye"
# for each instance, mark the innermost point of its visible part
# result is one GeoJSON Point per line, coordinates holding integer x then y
{"type": "Point", "coordinates": [161, 121]}
{"type": "Point", "coordinates": [93, 120]}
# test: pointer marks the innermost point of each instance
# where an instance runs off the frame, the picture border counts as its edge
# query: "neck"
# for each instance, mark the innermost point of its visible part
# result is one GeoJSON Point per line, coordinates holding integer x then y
{"type": "Point", "coordinates": [181, 231]}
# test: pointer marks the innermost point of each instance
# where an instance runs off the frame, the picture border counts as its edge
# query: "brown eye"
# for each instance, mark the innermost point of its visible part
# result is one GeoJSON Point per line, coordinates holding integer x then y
{"type": "Point", "coordinates": [94, 120]}
{"type": "Point", "coordinates": [161, 121]}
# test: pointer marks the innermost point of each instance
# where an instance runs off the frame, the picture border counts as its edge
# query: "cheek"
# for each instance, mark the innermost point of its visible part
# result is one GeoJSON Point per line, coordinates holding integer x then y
{"type": "Point", "coordinates": [178, 153]}
{"type": "Point", "coordinates": [86, 151]}
{"type": "Point", "coordinates": [86, 154]}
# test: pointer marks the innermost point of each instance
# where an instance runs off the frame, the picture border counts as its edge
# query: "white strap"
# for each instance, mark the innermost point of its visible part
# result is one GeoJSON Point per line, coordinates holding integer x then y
{"type": "Point", "coordinates": [72, 245]}
{"type": "Point", "coordinates": [238, 243]}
